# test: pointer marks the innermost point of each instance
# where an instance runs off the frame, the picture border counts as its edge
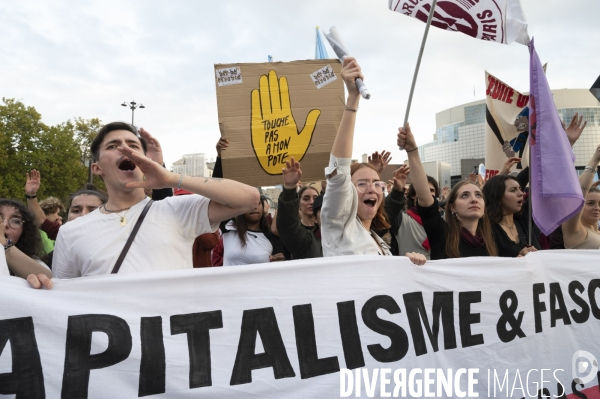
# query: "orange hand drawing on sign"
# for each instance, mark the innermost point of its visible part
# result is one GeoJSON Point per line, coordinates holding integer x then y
{"type": "Point", "coordinates": [275, 135]}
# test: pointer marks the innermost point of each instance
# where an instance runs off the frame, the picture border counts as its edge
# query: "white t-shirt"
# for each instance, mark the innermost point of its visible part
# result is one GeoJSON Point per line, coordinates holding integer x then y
{"type": "Point", "coordinates": [90, 245]}
{"type": "Point", "coordinates": [3, 265]}
{"type": "Point", "coordinates": [257, 250]}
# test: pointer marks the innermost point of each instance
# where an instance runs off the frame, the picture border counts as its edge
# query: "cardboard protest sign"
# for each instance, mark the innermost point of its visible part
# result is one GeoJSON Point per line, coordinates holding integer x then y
{"type": "Point", "coordinates": [273, 111]}
{"type": "Point", "coordinates": [352, 326]}
{"type": "Point", "coordinates": [506, 125]}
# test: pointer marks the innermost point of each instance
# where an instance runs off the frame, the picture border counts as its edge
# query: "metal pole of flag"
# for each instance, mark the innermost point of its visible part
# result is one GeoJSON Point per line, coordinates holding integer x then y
{"type": "Point", "coordinates": [414, 82]}
{"type": "Point", "coordinates": [530, 221]}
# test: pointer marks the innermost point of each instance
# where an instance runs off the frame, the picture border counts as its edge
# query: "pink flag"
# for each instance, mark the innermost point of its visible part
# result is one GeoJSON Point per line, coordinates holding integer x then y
{"type": "Point", "coordinates": [500, 21]}
{"type": "Point", "coordinates": [555, 190]}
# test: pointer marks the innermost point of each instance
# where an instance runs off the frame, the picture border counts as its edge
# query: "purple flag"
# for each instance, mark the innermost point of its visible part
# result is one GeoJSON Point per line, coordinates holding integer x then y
{"type": "Point", "coordinates": [555, 190]}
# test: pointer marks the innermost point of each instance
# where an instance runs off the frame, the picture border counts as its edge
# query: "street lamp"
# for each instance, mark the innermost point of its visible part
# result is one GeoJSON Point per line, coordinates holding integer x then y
{"type": "Point", "coordinates": [132, 106]}
{"type": "Point", "coordinates": [87, 161]}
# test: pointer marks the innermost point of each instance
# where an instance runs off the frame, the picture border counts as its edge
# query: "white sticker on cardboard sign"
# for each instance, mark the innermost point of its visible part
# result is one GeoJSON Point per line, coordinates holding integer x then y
{"type": "Point", "coordinates": [323, 76]}
{"type": "Point", "coordinates": [229, 76]}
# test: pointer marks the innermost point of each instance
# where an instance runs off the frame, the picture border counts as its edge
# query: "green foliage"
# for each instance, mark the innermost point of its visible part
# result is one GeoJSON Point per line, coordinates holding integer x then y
{"type": "Point", "coordinates": [58, 152]}
{"type": "Point", "coordinates": [85, 131]}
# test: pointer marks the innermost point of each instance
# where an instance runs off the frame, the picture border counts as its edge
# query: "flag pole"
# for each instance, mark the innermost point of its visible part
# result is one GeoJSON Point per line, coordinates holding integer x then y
{"type": "Point", "coordinates": [530, 221]}
{"type": "Point", "coordinates": [414, 81]}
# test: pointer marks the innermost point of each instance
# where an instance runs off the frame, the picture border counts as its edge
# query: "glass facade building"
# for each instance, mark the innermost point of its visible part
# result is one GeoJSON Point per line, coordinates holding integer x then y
{"type": "Point", "coordinates": [460, 131]}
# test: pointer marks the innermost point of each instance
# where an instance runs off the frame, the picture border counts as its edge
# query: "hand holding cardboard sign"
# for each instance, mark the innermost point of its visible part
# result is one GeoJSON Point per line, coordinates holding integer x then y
{"type": "Point", "coordinates": [275, 135]}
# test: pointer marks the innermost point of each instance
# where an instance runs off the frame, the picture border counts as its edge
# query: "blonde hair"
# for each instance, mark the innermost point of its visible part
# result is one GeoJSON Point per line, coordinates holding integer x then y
{"type": "Point", "coordinates": [50, 205]}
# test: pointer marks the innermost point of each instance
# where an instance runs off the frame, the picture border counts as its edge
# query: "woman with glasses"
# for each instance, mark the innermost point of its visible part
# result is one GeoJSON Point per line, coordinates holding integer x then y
{"type": "Point", "coordinates": [21, 240]}
{"type": "Point", "coordinates": [352, 207]}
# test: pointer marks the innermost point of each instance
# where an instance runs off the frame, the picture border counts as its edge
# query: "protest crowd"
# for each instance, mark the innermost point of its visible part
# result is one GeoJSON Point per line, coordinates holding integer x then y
{"type": "Point", "coordinates": [182, 222]}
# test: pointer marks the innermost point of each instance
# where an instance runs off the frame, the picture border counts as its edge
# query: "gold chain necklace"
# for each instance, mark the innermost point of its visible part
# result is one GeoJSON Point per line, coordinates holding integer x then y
{"type": "Point", "coordinates": [123, 220]}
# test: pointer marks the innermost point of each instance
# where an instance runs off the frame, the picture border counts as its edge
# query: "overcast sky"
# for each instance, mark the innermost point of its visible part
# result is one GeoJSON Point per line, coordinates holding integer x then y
{"type": "Point", "coordinates": [84, 58]}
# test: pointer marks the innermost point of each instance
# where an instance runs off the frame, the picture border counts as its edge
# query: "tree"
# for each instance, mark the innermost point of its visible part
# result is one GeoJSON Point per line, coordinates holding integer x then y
{"type": "Point", "coordinates": [85, 131]}
{"type": "Point", "coordinates": [27, 143]}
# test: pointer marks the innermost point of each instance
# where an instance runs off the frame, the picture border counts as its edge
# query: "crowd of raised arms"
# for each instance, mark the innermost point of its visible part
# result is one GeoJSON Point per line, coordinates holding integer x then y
{"type": "Point", "coordinates": [179, 222]}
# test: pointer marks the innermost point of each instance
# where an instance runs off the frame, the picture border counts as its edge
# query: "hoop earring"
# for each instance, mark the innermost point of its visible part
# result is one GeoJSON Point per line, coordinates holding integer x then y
{"type": "Point", "coordinates": [454, 214]}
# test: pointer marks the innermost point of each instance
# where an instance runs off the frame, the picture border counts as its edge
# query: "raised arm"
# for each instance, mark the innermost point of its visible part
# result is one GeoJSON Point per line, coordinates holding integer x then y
{"type": "Point", "coordinates": [395, 202]}
{"type": "Point", "coordinates": [293, 235]}
{"type": "Point", "coordinates": [229, 198]}
{"type": "Point", "coordinates": [344, 139]}
{"type": "Point", "coordinates": [32, 185]}
{"type": "Point", "coordinates": [380, 161]}
{"type": "Point", "coordinates": [575, 128]}
{"type": "Point", "coordinates": [418, 175]}
{"type": "Point", "coordinates": [573, 230]}
{"type": "Point", "coordinates": [510, 162]}
{"type": "Point", "coordinates": [222, 145]}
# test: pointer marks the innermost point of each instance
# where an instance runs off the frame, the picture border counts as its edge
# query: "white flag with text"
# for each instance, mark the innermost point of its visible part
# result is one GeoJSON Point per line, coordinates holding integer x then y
{"type": "Point", "coordinates": [500, 21]}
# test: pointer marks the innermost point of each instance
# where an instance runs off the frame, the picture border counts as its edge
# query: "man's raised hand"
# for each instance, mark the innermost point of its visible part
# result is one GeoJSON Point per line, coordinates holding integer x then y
{"type": "Point", "coordinates": [155, 176]}
{"type": "Point", "coordinates": [32, 185]}
{"type": "Point", "coordinates": [154, 150]}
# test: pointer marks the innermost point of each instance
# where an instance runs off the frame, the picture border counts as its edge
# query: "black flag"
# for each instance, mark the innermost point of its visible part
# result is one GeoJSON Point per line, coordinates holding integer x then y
{"type": "Point", "coordinates": [595, 89]}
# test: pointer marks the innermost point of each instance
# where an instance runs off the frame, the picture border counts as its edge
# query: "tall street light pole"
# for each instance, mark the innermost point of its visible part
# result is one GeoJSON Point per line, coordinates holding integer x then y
{"type": "Point", "coordinates": [132, 106]}
{"type": "Point", "coordinates": [90, 174]}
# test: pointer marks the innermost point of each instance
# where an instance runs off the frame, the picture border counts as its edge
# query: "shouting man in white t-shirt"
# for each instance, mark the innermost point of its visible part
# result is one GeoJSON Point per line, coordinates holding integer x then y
{"type": "Point", "coordinates": [91, 245]}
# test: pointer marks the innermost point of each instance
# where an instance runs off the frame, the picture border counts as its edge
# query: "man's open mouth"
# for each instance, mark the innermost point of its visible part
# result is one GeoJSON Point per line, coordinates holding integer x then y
{"type": "Point", "coordinates": [127, 165]}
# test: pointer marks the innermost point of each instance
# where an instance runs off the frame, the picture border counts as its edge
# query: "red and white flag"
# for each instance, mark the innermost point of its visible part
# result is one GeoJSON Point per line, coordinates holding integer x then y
{"type": "Point", "coordinates": [500, 21]}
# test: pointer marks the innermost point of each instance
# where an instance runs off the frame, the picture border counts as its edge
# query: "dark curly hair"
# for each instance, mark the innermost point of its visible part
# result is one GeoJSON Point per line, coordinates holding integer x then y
{"type": "Point", "coordinates": [30, 242]}
{"type": "Point", "coordinates": [493, 191]}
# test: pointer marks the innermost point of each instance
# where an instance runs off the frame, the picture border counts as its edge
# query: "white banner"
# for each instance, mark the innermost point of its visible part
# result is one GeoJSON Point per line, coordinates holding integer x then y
{"type": "Point", "coordinates": [505, 131]}
{"type": "Point", "coordinates": [500, 21]}
{"type": "Point", "coordinates": [487, 327]}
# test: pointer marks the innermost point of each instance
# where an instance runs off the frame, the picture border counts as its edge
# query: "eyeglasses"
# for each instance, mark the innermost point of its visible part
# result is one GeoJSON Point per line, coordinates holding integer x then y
{"type": "Point", "coordinates": [14, 223]}
{"type": "Point", "coordinates": [363, 185]}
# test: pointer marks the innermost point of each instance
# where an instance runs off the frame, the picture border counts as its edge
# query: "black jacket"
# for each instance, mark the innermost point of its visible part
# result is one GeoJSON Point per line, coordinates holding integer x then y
{"type": "Point", "coordinates": [301, 241]}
